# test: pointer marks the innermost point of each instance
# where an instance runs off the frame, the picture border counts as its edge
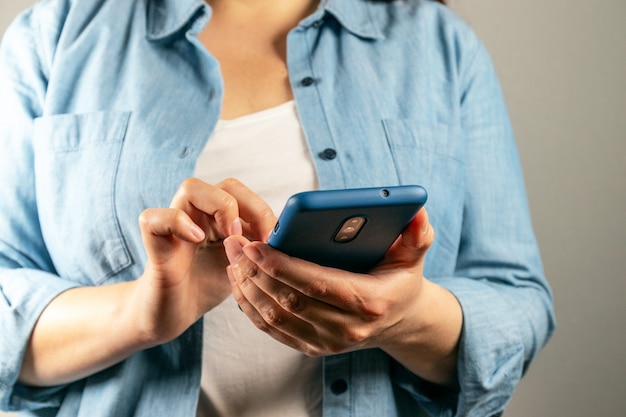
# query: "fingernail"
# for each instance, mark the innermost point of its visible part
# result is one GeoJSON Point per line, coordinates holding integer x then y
{"type": "Point", "coordinates": [253, 253]}
{"type": "Point", "coordinates": [236, 228]}
{"type": "Point", "coordinates": [231, 275]}
{"type": "Point", "coordinates": [233, 250]}
{"type": "Point", "coordinates": [196, 231]}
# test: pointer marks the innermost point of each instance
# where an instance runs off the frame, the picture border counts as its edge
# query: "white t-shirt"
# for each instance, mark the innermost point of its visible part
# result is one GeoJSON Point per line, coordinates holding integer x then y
{"type": "Point", "coordinates": [245, 372]}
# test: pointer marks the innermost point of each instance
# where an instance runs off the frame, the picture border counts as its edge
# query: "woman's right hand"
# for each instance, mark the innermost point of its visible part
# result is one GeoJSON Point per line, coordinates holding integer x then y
{"type": "Point", "coordinates": [185, 275]}
{"type": "Point", "coordinates": [87, 329]}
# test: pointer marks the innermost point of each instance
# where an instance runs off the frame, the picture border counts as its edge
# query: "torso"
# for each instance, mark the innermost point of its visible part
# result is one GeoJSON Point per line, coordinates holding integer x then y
{"type": "Point", "coordinates": [250, 43]}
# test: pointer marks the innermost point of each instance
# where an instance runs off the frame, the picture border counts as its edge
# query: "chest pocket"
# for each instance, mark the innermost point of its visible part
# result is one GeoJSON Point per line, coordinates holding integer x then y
{"type": "Point", "coordinates": [76, 165]}
{"type": "Point", "coordinates": [432, 155]}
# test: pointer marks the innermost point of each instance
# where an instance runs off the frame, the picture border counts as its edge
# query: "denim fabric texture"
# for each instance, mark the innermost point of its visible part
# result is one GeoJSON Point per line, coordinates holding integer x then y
{"type": "Point", "coordinates": [105, 106]}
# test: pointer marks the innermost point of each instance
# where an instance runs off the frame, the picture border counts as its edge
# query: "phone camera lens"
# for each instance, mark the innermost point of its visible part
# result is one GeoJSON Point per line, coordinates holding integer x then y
{"type": "Point", "coordinates": [384, 193]}
{"type": "Point", "coordinates": [349, 229]}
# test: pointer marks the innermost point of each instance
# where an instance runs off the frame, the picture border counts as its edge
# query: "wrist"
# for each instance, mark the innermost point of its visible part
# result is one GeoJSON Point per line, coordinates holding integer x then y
{"type": "Point", "coordinates": [145, 315]}
{"type": "Point", "coordinates": [426, 341]}
{"type": "Point", "coordinates": [137, 329]}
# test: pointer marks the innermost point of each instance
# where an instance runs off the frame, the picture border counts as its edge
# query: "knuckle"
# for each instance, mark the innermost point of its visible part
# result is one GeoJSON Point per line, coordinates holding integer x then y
{"type": "Point", "coordinates": [290, 301]}
{"type": "Point", "coordinates": [374, 310]}
{"type": "Point", "coordinates": [188, 185]}
{"type": "Point", "coordinates": [230, 183]}
{"type": "Point", "coordinates": [273, 270]}
{"type": "Point", "coordinates": [356, 334]}
{"type": "Point", "coordinates": [228, 203]}
{"type": "Point", "coordinates": [250, 271]}
{"type": "Point", "coordinates": [180, 217]}
{"type": "Point", "coordinates": [316, 289]}
{"type": "Point", "coordinates": [146, 216]}
{"type": "Point", "coordinates": [272, 317]}
{"type": "Point", "coordinates": [243, 282]}
{"type": "Point", "coordinates": [155, 221]}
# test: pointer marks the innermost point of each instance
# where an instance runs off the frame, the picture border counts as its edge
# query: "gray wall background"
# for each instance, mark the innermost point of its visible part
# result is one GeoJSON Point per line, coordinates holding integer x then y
{"type": "Point", "coordinates": [562, 64]}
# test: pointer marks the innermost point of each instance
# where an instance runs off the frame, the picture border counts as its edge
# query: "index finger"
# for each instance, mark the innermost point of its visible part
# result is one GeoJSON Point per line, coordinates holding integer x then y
{"type": "Point", "coordinates": [331, 286]}
{"type": "Point", "coordinates": [252, 209]}
{"type": "Point", "coordinates": [197, 198]}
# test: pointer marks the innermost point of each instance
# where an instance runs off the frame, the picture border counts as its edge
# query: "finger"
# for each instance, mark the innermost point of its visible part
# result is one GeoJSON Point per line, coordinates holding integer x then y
{"type": "Point", "coordinates": [412, 245]}
{"type": "Point", "coordinates": [233, 246]}
{"type": "Point", "coordinates": [325, 291]}
{"type": "Point", "coordinates": [160, 226]}
{"type": "Point", "coordinates": [170, 222]}
{"type": "Point", "coordinates": [291, 317]}
{"type": "Point", "coordinates": [249, 275]}
{"type": "Point", "coordinates": [256, 213]}
{"type": "Point", "coordinates": [341, 321]}
{"type": "Point", "coordinates": [247, 271]}
{"type": "Point", "coordinates": [266, 315]}
{"type": "Point", "coordinates": [420, 233]}
{"type": "Point", "coordinates": [198, 198]}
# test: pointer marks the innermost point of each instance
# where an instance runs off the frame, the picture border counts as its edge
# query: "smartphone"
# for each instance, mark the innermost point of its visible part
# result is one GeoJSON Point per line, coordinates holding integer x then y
{"type": "Point", "coordinates": [349, 229]}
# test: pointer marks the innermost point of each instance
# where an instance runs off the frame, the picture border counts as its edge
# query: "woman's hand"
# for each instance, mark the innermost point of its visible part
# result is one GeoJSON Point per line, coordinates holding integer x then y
{"type": "Point", "coordinates": [322, 311]}
{"type": "Point", "coordinates": [185, 275]}
{"type": "Point", "coordinates": [85, 330]}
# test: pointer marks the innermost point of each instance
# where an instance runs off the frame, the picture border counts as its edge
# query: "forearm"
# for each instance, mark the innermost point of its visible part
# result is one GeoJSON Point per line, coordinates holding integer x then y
{"type": "Point", "coordinates": [81, 332]}
{"type": "Point", "coordinates": [430, 349]}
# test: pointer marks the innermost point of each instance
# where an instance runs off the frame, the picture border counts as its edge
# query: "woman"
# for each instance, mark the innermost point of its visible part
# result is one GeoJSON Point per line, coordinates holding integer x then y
{"type": "Point", "coordinates": [111, 106]}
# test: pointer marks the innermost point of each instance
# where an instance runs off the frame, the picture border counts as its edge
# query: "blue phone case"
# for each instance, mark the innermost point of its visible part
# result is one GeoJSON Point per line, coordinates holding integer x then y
{"type": "Point", "coordinates": [317, 225]}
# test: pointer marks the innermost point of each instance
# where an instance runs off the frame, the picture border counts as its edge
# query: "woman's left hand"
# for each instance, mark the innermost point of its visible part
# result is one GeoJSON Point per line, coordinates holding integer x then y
{"type": "Point", "coordinates": [323, 311]}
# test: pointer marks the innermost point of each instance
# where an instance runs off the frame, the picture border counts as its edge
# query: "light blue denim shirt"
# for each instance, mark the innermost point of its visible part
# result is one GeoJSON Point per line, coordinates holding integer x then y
{"type": "Point", "coordinates": [105, 108]}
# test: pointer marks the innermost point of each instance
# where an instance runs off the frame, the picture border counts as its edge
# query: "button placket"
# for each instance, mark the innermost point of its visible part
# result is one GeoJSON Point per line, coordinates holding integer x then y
{"type": "Point", "coordinates": [308, 86]}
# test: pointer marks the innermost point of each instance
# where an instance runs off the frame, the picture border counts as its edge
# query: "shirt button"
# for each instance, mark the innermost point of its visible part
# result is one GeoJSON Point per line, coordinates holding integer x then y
{"type": "Point", "coordinates": [339, 386]}
{"type": "Point", "coordinates": [184, 153]}
{"type": "Point", "coordinates": [328, 154]}
{"type": "Point", "coordinates": [307, 81]}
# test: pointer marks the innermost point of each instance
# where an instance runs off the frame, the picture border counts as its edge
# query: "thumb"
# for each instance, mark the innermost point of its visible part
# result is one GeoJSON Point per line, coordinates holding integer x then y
{"type": "Point", "coordinates": [412, 245]}
{"type": "Point", "coordinates": [419, 234]}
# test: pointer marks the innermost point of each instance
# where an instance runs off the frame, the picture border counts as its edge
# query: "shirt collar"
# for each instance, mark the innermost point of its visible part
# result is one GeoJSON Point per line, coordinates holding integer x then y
{"type": "Point", "coordinates": [166, 17]}
{"type": "Point", "coordinates": [356, 16]}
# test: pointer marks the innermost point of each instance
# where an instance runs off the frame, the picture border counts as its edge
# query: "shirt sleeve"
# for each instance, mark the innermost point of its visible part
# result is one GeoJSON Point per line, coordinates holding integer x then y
{"type": "Point", "coordinates": [28, 281]}
{"type": "Point", "coordinates": [499, 280]}
{"type": "Point", "coordinates": [506, 300]}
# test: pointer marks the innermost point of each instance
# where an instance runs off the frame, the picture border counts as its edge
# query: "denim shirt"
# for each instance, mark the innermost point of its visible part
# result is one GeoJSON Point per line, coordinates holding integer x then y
{"type": "Point", "coordinates": [105, 108]}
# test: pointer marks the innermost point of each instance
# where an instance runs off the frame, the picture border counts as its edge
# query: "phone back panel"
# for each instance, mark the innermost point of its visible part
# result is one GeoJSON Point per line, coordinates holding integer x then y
{"type": "Point", "coordinates": [310, 221]}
